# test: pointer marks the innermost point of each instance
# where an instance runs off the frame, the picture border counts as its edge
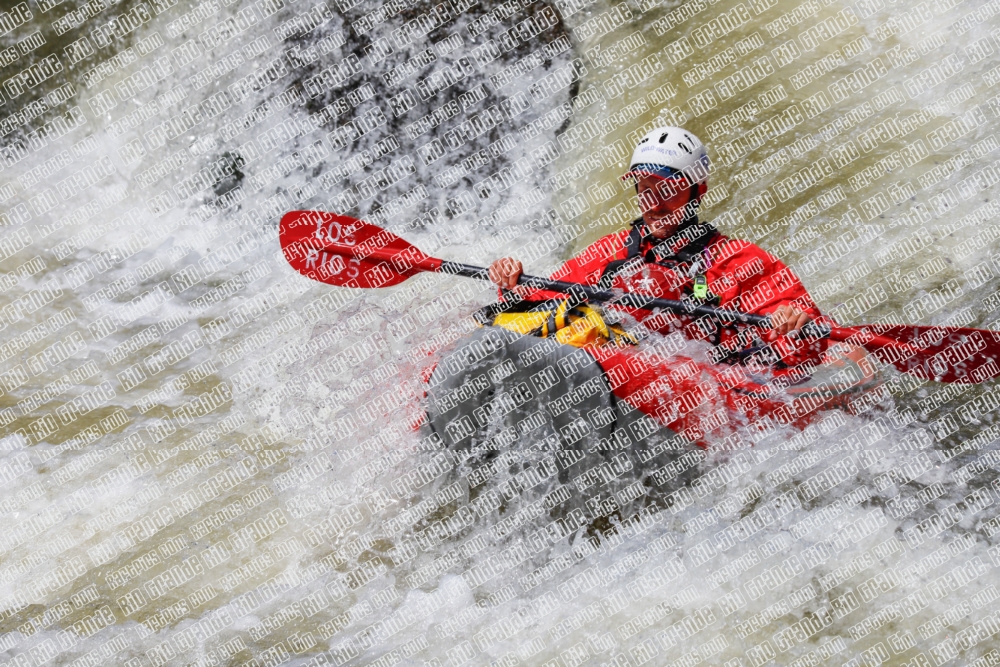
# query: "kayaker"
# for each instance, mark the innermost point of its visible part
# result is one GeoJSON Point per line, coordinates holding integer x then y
{"type": "Point", "coordinates": [670, 253]}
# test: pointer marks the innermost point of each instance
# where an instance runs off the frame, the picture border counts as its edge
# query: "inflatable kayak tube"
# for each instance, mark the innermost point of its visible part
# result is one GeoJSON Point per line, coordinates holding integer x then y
{"type": "Point", "coordinates": [498, 390]}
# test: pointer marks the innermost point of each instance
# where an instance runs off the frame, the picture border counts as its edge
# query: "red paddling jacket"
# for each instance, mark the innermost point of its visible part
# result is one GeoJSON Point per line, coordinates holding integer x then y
{"type": "Point", "coordinates": [739, 276]}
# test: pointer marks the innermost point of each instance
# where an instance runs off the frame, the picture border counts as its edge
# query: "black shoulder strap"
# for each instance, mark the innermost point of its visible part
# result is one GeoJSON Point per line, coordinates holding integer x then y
{"type": "Point", "coordinates": [633, 245]}
{"type": "Point", "coordinates": [634, 240]}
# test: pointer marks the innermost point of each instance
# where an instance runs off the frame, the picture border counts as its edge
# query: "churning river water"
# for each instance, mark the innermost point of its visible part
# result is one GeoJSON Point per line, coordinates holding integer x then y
{"type": "Point", "coordinates": [208, 459]}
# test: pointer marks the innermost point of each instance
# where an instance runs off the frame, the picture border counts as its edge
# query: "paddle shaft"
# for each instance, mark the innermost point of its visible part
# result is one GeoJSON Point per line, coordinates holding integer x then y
{"type": "Point", "coordinates": [630, 299]}
{"type": "Point", "coordinates": [811, 330]}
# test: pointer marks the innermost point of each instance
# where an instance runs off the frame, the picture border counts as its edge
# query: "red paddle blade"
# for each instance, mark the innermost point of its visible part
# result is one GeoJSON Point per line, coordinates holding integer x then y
{"type": "Point", "coordinates": [944, 354]}
{"type": "Point", "coordinates": [346, 252]}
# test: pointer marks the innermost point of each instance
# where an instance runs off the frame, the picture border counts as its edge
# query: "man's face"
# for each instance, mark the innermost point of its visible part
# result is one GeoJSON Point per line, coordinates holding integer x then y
{"type": "Point", "coordinates": [662, 202]}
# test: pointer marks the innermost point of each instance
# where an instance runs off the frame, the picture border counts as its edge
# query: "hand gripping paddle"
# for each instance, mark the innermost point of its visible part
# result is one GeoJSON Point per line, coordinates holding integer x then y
{"type": "Point", "coordinates": [346, 252]}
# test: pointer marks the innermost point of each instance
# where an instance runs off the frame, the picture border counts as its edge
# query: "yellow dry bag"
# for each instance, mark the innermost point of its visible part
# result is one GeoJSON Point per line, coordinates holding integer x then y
{"type": "Point", "coordinates": [580, 326]}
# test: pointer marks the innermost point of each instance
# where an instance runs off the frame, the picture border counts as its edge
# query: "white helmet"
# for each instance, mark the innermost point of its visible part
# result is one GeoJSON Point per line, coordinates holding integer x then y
{"type": "Point", "coordinates": [668, 150]}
